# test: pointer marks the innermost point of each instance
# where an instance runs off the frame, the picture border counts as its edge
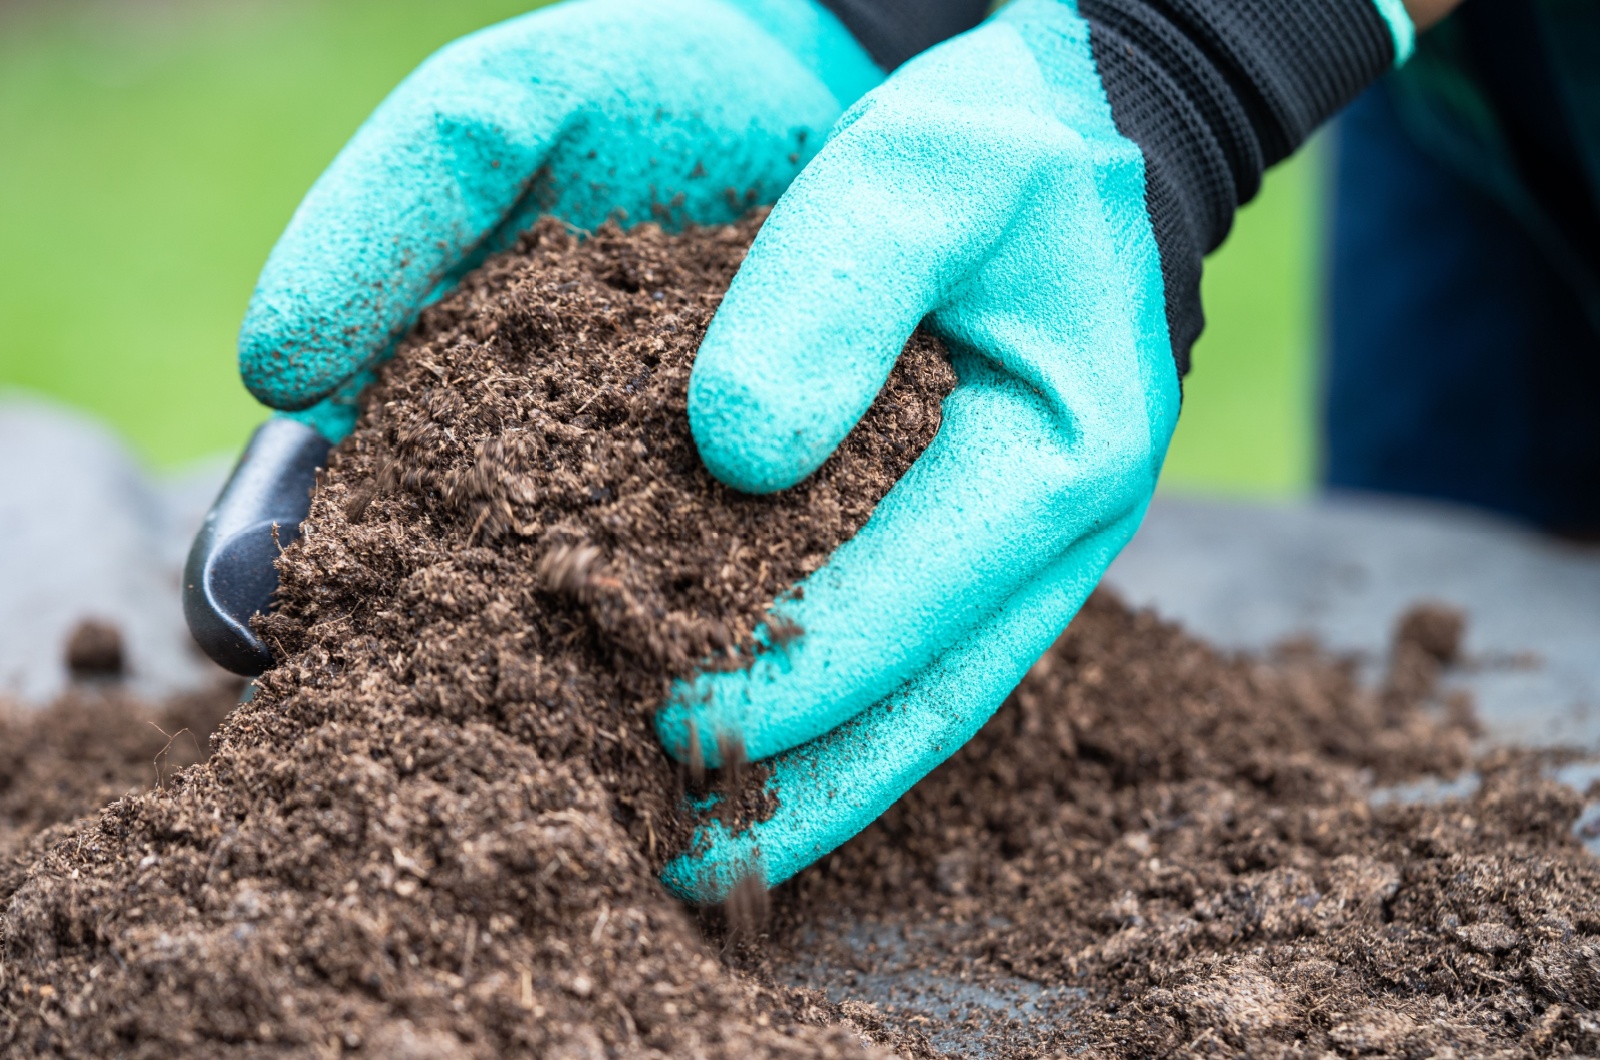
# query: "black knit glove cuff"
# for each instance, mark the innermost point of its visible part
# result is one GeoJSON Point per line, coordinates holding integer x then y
{"type": "Point", "coordinates": [1214, 92]}
{"type": "Point", "coordinates": [893, 31]}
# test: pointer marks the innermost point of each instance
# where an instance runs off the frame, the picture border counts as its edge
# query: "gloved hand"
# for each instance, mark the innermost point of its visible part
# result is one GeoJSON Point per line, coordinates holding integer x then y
{"type": "Point", "coordinates": [673, 109]}
{"type": "Point", "coordinates": [990, 193]}
{"type": "Point", "coordinates": [989, 189]}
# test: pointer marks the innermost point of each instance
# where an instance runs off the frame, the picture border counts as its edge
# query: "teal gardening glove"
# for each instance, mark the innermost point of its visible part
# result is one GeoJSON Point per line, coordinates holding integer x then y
{"type": "Point", "coordinates": [586, 110]}
{"type": "Point", "coordinates": [1038, 192]}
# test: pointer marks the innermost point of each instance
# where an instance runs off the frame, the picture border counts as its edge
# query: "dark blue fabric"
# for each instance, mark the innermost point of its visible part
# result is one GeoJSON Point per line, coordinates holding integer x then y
{"type": "Point", "coordinates": [1460, 366]}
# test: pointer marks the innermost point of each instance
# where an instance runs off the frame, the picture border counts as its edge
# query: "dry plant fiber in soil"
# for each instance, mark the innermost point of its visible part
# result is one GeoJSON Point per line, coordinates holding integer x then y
{"type": "Point", "coordinates": [435, 829]}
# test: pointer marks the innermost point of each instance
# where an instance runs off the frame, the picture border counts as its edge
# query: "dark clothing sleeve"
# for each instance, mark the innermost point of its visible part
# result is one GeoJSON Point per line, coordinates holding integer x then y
{"type": "Point", "coordinates": [1214, 92]}
{"type": "Point", "coordinates": [1461, 364]}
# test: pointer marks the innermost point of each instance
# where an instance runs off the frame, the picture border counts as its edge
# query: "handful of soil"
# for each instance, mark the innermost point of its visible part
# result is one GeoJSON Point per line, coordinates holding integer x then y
{"type": "Point", "coordinates": [434, 830]}
{"type": "Point", "coordinates": [437, 824]}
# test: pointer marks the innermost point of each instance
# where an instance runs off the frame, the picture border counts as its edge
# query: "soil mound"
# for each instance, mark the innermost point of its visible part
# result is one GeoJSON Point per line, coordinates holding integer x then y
{"type": "Point", "coordinates": [434, 830]}
{"type": "Point", "coordinates": [91, 747]}
{"type": "Point", "coordinates": [1158, 850]}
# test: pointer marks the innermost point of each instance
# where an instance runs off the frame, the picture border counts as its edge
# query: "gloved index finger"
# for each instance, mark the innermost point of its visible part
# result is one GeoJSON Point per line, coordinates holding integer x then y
{"type": "Point", "coordinates": [436, 167]}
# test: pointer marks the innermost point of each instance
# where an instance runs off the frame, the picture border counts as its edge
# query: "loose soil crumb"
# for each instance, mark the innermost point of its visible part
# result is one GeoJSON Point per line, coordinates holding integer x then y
{"type": "Point", "coordinates": [434, 830]}
{"type": "Point", "coordinates": [94, 650]}
{"type": "Point", "coordinates": [1436, 630]}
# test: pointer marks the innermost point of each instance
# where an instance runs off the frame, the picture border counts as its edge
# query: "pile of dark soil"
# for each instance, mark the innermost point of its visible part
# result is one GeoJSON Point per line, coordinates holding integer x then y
{"type": "Point", "coordinates": [434, 830]}
{"type": "Point", "coordinates": [1154, 849]}
{"type": "Point", "coordinates": [92, 746]}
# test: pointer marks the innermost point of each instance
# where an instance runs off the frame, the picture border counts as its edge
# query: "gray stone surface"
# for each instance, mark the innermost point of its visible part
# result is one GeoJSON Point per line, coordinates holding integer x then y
{"type": "Point", "coordinates": [86, 532]}
{"type": "Point", "coordinates": [1002, 1007]}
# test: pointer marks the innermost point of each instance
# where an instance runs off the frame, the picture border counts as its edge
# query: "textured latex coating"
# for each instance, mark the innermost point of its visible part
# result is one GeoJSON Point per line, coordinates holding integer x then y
{"type": "Point", "coordinates": [831, 788]}
{"type": "Point", "coordinates": [673, 110]}
{"type": "Point", "coordinates": [985, 188]}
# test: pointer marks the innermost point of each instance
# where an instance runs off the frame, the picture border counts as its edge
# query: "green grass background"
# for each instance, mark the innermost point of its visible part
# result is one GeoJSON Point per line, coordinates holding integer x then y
{"type": "Point", "coordinates": [151, 150]}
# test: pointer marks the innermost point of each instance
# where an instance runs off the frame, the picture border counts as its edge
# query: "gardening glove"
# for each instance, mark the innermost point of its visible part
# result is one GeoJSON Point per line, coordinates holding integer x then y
{"type": "Point", "coordinates": [672, 110]}
{"type": "Point", "coordinates": [1039, 192]}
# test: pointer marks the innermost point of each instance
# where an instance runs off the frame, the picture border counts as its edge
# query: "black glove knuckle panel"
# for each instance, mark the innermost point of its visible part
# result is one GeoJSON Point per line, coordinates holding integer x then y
{"type": "Point", "coordinates": [1214, 92]}
{"type": "Point", "coordinates": [892, 31]}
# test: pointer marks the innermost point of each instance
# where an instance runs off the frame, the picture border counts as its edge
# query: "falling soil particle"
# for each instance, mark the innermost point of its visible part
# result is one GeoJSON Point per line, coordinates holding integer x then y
{"type": "Point", "coordinates": [435, 828]}
{"type": "Point", "coordinates": [1435, 630]}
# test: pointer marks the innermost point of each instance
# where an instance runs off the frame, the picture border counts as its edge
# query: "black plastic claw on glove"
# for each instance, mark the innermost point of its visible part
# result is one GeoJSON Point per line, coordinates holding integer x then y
{"type": "Point", "coordinates": [231, 575]}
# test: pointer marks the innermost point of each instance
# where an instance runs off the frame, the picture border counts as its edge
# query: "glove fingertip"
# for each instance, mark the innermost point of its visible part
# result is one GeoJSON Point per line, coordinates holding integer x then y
{"type": "Point", "coordinates": [716, 868]}
{"type": "Point", "coordinates": [275, 365]}
{"type": "Point", "coordinates": [679, 730]}
{"type": "Point", "coordinates": [750, 436]}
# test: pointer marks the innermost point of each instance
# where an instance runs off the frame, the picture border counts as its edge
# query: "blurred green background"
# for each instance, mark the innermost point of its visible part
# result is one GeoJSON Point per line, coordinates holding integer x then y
{"type": "Point", "coordinates": [153, 149]}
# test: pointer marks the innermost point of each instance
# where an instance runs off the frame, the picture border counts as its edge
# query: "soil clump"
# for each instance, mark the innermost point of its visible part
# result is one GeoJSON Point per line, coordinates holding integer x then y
{"type": "Point", "coordinates": [434, 830]}
{"type": "Point", "coordinates": [94, 650]}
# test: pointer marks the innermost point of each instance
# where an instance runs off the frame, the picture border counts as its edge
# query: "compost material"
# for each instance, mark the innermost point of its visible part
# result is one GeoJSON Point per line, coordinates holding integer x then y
{"type": "Point", "coordinates": [1155, 849]}
{"type": "Point", "coordinates": [434, 829]}
{"type": "Point", "coordinates": [91, 747]}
